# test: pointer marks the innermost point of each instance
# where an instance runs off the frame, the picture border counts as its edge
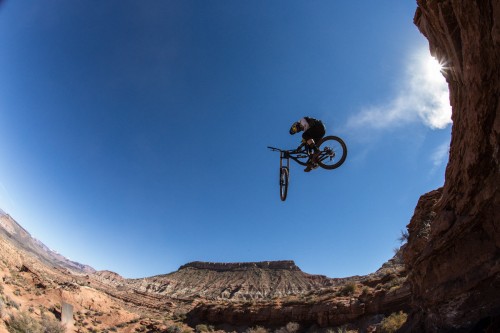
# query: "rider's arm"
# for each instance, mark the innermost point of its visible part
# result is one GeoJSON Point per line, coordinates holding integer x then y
{"type": "Point", "coordinates": [304, 124]}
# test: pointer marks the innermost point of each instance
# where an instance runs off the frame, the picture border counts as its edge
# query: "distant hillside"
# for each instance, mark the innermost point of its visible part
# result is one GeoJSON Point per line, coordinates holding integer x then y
{"type": "Point", "coordinates": [16, 234]}
{"type": "Point", "coordinates": [237, 281]}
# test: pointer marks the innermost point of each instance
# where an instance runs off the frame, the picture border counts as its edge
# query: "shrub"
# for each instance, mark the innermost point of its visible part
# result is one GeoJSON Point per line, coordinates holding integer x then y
{"type": "Point", "coordinates": [51, 325]}
{"type": "Point", "coordinates": [179, 315]}
{"type": "Point", "coordinates": [292, 327]}
{"type": "Point", "coordinates": [256, 329]}
{"type": "Point", "coordinates": [348, 289]}
{"type": "Point", "coordinates": [404, 236]}
{"type": "Point", "coordinates": [23, 323]}
{"type": "Point", "coordinates": [343, 329]}
{"type": "Point", "coordinates": [11, 303]}
{"type": "Point", "coordinates": [395, 283]}
{"type": "Point", "coordinates": [394, 322]}
{"type": "Point", "coordinates": [202, 328]}
{"type": "Point", "coordinates": [174, 329]}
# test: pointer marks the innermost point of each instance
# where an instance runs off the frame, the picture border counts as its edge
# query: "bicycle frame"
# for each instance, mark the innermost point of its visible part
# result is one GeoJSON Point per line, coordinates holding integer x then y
{"type": "Point", "coordinates": [296, 155]}
{"type": "Point", "coordinates": [284, 159]}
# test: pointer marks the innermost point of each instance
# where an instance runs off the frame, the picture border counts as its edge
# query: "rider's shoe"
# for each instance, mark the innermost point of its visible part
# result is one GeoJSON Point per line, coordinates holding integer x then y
{"type": "Point", "coordinates": [311, 166]}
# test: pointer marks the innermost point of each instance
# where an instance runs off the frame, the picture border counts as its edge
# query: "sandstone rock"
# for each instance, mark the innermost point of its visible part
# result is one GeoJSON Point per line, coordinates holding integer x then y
{"type": "Point", "coordinates": [233, 281]}
{"type": "Point", "coordinates": [453, 255]}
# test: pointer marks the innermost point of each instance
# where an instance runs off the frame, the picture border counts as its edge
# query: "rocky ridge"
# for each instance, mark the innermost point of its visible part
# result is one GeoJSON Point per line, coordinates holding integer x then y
{"type": "Point", "coordinates": [37, 289]}
{"type": "Point", "coordinates": [233, 281]}
{"type": "Point", "coordinates": [358, 301]}
{"type": "Point", "coordinates": [274, 265]}
{"type": "Point", "coordinates": [10, 228]}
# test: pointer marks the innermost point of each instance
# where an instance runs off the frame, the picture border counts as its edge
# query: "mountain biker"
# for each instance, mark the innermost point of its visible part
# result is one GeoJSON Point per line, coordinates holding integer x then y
{"type": "Point", "coordinates": [314, 130]}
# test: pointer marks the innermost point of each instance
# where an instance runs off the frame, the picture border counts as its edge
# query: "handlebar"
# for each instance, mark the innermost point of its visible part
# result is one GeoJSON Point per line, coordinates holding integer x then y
{"type": "Point", "coordinates": [275, 149]}
{"type": "Point", "coordinates": [297, 150]}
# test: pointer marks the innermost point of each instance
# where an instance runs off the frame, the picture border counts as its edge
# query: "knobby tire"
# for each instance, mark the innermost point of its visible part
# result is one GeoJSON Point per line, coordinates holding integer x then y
{"type": "Point", "coordinates": [283, 183]}
{"type": "Point", "coordinates": [342, 151]}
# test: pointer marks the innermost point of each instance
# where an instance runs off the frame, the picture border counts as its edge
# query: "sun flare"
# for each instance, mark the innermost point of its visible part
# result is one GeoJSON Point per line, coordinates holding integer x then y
{"type": "Point", "coordinates": [434, 70]}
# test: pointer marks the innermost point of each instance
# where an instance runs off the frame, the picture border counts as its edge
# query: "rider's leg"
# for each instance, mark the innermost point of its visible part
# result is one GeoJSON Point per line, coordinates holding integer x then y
{"type": "Point", "coordinates": [313, 153]}
{"type": "Point", "coordinates": [311, 136]}
{"type": "Point", "coordinates": [311, 145]}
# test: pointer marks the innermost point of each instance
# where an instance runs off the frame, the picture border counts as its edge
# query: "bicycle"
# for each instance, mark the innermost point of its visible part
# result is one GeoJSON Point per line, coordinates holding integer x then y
{"type": "Point", "coordinates": [332, 154]}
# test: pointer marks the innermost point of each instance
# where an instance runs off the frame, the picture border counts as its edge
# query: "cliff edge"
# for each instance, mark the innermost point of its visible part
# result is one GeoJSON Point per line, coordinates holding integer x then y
{"type": "Point", "coordinates": [453, 251]}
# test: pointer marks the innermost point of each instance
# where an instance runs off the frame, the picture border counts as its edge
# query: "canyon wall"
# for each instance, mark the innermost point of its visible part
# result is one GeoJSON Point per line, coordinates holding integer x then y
{"type": "Point", "coordinates": [453, 251]}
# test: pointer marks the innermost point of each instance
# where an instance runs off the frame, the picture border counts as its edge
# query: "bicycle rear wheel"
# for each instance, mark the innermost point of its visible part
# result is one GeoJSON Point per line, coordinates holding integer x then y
{"type": "Point", "coordinates": [283, 183]}
{"type": "Point", "coordinates": [333, 152]}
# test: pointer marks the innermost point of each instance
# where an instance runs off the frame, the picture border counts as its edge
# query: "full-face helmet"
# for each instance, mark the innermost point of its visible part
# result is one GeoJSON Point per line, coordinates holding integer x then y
{"type": "Point", "coordinates": [296, 127]}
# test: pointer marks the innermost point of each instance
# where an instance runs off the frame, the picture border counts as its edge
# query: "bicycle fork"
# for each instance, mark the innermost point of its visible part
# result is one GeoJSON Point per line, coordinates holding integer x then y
{"type": "Point", "coordinates": [284, 160]}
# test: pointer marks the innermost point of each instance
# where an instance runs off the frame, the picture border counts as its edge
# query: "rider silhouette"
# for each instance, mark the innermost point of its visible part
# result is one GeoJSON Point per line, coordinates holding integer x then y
{"type": "Point", "coordinates": [314, 130]}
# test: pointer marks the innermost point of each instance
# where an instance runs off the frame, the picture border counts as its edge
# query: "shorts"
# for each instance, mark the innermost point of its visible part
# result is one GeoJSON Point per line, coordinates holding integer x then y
{"type": "Point", "coordinates": [316, 132]}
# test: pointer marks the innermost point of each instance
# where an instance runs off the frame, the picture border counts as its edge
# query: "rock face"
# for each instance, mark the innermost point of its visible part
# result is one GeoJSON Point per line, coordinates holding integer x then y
{"type": "Point", "coordinates": [358, 301]}
{"type": "Point", "coordinates": [453, 252]}
{"type": "Point", "coordinates": [233, 281]}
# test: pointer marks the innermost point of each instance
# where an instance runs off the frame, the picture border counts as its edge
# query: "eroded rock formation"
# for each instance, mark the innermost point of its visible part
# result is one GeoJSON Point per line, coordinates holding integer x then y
{"type": "Point", "coordinates": [233, 281]}
{"type": "Point", "coordinates": [453, 252]}
{"type": "Point", "coordinates": [357, 300]}
{"type": "Point", "coordinates": [214, 266]}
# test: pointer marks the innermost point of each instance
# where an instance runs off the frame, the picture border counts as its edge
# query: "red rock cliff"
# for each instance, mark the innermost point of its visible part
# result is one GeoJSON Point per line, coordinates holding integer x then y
{"type": "Point", "coordinates": [453, 252]}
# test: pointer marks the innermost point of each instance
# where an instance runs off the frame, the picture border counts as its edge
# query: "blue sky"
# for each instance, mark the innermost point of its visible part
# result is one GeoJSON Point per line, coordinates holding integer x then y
{"type": "Point", "coordinates": [133, 134]}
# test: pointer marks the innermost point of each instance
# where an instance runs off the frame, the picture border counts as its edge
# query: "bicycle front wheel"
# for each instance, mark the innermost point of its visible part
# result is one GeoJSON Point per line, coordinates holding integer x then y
{"type": "Point", "coordinates": [283, 183]}
{"type": "Point", "coordinates": [333, 152]}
